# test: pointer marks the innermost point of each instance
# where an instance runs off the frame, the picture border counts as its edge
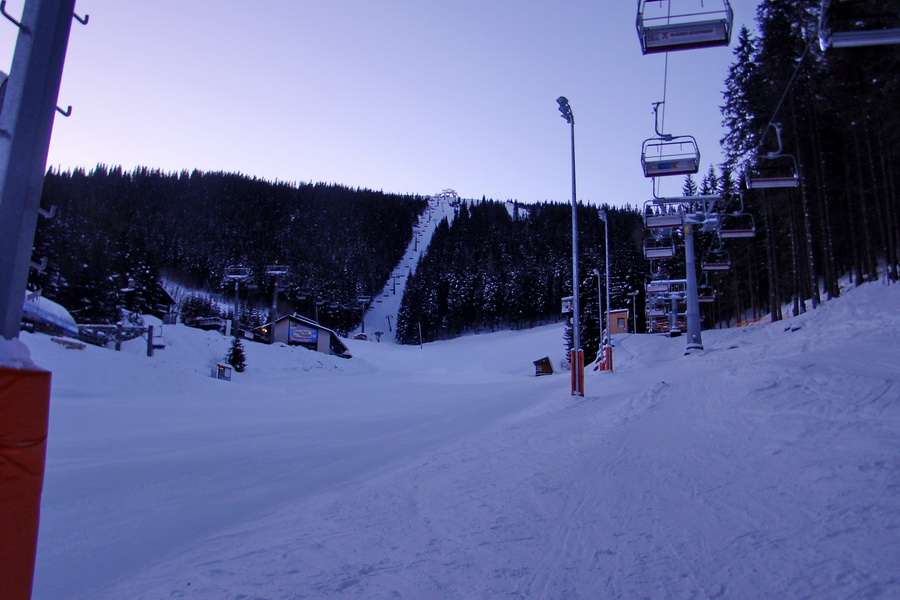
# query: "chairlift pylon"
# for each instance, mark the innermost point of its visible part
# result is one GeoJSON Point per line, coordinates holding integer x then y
{"type": "Point", "coordinates": [667, 25]}
{"type": "Point", "coordinates": [853, 23]}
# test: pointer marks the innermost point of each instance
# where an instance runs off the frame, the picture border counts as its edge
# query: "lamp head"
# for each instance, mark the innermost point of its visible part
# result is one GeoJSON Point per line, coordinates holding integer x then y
{"type": "Point", "coordinates": [565, 109]}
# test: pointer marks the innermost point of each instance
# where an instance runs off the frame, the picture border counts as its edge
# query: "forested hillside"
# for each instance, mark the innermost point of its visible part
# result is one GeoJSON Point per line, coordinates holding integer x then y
{"type": "Point", "coordinates": [497, 267]}
{"type": "Point", "coordinates": [115, 233]}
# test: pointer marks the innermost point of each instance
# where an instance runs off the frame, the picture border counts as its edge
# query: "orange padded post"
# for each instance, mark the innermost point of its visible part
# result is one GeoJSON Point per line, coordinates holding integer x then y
{"type": "Point", "coordinates": [577, 359]}
{"type": "Point", "coordinates": [24, 419]}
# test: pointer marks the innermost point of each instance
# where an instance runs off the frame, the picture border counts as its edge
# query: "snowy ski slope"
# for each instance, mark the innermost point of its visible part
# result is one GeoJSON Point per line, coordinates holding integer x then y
{"type": "Point", "coordinates": [764, 467]}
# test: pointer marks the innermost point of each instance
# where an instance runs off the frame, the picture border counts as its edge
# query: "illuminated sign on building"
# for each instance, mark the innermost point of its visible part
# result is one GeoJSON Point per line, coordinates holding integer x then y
{"type": "Point", "coordinates": [301, 334]}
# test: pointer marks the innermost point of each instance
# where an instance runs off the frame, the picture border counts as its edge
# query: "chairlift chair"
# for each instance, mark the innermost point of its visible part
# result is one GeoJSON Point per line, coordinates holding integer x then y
{"type": "Point", "coordinates": [659, 247]}
{"type": "Point", "coordinates": [705, 294]}
{"type": "Point", "coordinates": [656, 287]}
{"type": "Point", "coordinates": [772, 171]}
{"type": "Point", "coordinates": [276, 270]}
{"type": "Point", "coordinates": [853, 23]}
{"type": "Point", "coordinates": [663, 220]}
{"type": "Point", "coordinates": [237, 273]}
{"type": "Point", "coordinates": [667, 25]}
{"type": "Point", "coordinates": [736, 225]}
{"type": "Point", "coordinates": [716, 260]}
{"type": "Point", "coordinates": [656, 306]}
{"type": "Point", "coordinates": [670, 155]}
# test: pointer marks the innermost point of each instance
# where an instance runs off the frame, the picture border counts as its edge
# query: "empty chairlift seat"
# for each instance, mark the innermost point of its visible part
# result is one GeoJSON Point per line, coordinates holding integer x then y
{"type": "Point", "coordinates": [716, 260]}
{"type": "Point", "coordinates": [670, 155]}
{"type": "Point", "coordinates": [736, 225]}
{"type": "Point", "coordinates": [658, 217]}
{"type": "Point", "coordinates": [852, 23]}
{"type": "Point", "coordinates": [705, 294]}
{"type": "Point", "coordinates": [667, 25]}
{"type": "Point", "coordinates": [656, 287]}
{"type": "Point", "coordinates": [659, 247]}
{"type": "Point", "coordinates": [772, 171]}
{"type": "Point", "coordinates": [656, 307]}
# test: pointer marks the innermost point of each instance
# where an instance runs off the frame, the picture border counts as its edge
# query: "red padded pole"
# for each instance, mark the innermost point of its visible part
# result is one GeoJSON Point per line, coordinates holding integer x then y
{"type": "Point", "coordinates": [24, 419]}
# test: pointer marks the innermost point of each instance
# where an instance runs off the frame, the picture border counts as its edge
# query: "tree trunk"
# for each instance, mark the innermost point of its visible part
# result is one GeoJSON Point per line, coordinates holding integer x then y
{"type": "Point", "coordinates": [832, 288]}
{"type": "Point", "coordinates": [807, 218]}
{"type": "Point", "coordinates": [871, 271]}
{"type": "Point", "coordinates": [774, 300]}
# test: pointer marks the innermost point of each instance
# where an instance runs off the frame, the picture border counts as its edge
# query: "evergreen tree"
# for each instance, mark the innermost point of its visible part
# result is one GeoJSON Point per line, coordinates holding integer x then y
{"type": "Point", "coordinates": [236, 357]}
{"type": "Point", "coordinates": [690, 186]}
{"type": "Point", "coordinates": [742, 89]}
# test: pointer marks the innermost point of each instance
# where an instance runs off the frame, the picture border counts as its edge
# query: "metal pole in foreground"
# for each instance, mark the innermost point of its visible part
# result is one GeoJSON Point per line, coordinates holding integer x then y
{"type": "Point", "coordinates": [26, 122]}
{"type": "Point", "coordinates": [577, 352]}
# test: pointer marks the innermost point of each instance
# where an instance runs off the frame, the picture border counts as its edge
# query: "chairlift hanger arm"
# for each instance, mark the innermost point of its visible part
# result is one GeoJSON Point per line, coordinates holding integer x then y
{"type": "Point", "coordinates": [659, 133]}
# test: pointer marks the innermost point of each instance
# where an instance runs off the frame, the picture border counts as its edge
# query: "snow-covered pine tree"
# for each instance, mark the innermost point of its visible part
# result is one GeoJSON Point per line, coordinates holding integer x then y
{"type": "Point", "coordinates": [236, 357]}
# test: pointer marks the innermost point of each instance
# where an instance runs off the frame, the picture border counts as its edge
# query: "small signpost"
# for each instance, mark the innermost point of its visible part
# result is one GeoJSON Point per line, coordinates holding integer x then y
{"type": "Point", "coordinates": [223, 372]}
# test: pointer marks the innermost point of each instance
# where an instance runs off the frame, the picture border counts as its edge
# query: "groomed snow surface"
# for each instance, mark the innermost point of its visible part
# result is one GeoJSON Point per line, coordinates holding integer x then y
{"type": "Point", "coordinates": [765, 466]}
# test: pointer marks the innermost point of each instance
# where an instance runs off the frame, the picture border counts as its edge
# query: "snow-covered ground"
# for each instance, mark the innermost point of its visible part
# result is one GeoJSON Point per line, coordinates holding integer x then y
{"type": "Point", "coordinates": [764, 467]}
{"type": "Point", "coordinates": [382, 312]}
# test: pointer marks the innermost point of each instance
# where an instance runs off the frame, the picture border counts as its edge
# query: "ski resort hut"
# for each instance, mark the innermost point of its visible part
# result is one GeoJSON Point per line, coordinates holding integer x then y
{"type": "Point", "coordinates": [618, 320]}
{"type": "Point", "coordinates": [300, 331]}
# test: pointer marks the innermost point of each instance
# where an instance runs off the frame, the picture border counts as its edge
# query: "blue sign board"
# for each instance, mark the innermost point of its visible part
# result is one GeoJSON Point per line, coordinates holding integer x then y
{"type": "Point", "coordinates": [302, 334]}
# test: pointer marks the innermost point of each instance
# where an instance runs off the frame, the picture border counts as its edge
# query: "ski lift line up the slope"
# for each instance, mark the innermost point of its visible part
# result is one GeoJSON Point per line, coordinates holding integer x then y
{"type": "Point", "coordinates": [382, 314]}
{"type": "Point", "coordinates": [663, 26]}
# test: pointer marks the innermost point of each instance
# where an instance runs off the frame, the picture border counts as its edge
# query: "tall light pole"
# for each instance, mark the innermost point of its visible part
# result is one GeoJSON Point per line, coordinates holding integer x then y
{"type": "Point", "coordinates": [577, 353]}
{"type": "Point", "coordinates": [606, 239]}
{"type": "Point", "coordinates": [634, 310]}
{"type": "Point", "coordinates": [599, 308]}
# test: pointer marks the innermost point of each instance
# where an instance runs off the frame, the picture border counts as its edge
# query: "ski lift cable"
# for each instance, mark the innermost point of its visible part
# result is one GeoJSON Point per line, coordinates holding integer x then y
{"type": "Point", "coordinates": [665, 90]}
{"type": "Point", "coordinates": [787, 88]}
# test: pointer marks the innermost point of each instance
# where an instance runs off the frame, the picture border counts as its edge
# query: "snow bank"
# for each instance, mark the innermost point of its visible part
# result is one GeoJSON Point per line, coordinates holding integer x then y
{"type": "Point", "coordinates": [15, 355]}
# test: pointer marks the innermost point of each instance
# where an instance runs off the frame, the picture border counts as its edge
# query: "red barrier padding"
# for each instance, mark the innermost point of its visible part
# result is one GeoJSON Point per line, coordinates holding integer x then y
{"type": "Point", "coordinates": [24, 419]}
